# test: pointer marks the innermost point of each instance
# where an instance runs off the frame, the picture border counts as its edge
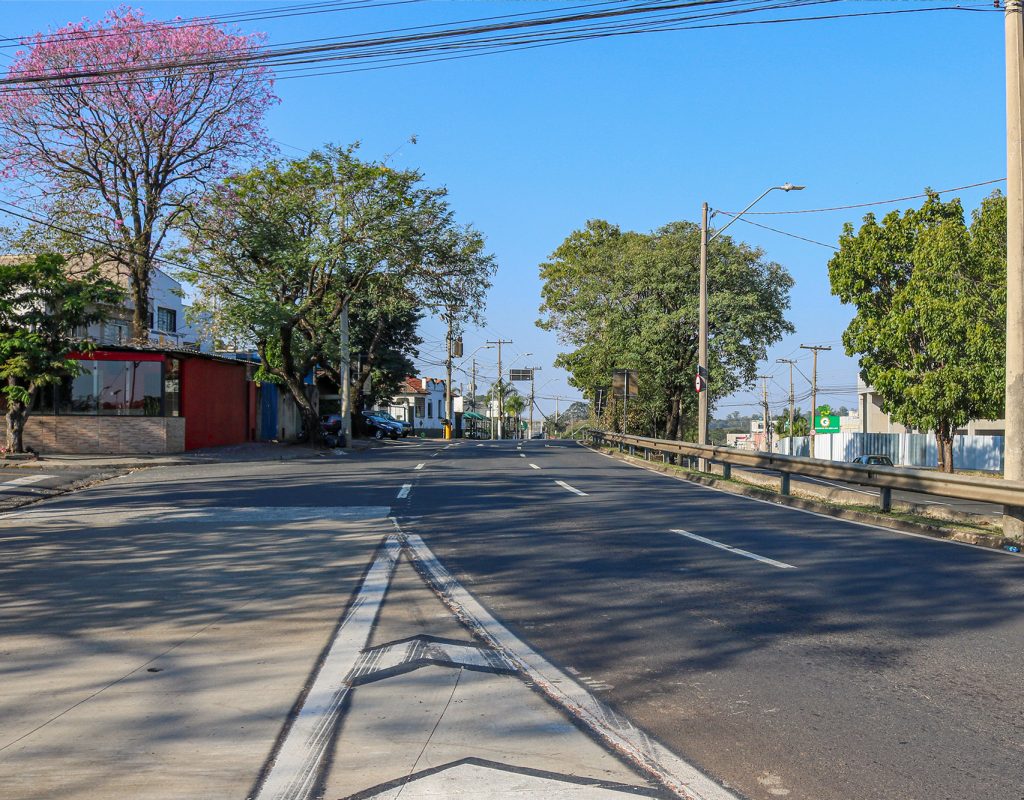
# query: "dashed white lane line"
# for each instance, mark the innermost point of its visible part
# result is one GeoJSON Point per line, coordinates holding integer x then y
{"type": "Point", "coordinates": [404, 491]}
{"type": "Point", "coordinates": [301, 755]}
{"type": "Point", "coordinates": [522, 455]}
{"type": "Point", "coordinates": [420, 466]}
{"type": "Point", "coordinates": [534, 466]}
{"type": "Point", "coordinates": [24, 480]}
{"type": "Point", "coordinates": [434, 455]}
{"type": "Point", "coordinates": [736, 550]}
{"type": "Point", "coordinates": [572, 489]}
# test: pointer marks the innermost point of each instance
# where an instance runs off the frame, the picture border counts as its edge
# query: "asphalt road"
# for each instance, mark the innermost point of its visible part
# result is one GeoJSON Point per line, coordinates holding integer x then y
{"type": "Point", "coordinates": [880, 665]}
{"type": "Point", "coordinates": [157, 630]}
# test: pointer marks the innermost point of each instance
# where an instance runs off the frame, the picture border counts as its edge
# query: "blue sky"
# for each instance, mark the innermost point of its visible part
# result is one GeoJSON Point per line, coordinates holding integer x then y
{"type": "Point", "coordinates": [640, 130]}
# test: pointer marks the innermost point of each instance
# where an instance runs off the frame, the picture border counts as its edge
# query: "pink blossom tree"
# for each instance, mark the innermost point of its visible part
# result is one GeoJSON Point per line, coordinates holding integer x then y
{"type": "Point", "coordinates": [118, 152]}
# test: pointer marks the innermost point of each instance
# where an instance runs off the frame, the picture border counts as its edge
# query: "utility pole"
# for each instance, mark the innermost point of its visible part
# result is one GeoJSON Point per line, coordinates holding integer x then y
{"type": "Point", "coordinates": [533, 371]}
{"type": "Point", "coordinates": [556, 418]}
{"type": "Point", "coordinates": [702, 334]}
{"type": "Point", "coordinates": [1013, 469]}
{"type": "Point", "coordinates": [448, 431]}
{"type": "Point", "coordinates": [625, 406]}
{"type": "Point", "coordinates": [815, 348]}
{"type": "Point", "coordinates": [791, 362]}
{"type": "Point", "coordinates": [501, 388]}
{"type": "Point", "coordinates": [764, 404]}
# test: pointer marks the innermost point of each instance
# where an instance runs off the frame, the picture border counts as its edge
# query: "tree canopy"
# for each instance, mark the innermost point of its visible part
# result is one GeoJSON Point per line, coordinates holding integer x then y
{"type": "Point", "coordinates": [119, 161]}
{"type": "Point", "coordinates": [623, 299]}
{"type": "Point", "coordinates": [43, 311]}
{"type": "Point", "coordinates": [930, 298]}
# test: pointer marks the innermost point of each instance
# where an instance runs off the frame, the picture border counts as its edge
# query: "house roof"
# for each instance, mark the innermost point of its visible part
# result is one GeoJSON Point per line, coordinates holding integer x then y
{"type": "Point", "coordinates": [413, 386]}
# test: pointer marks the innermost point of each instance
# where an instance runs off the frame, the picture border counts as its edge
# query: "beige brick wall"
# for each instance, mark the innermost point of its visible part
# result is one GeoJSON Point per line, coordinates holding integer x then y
{"type": "Point", "coordinates": [113, 435]}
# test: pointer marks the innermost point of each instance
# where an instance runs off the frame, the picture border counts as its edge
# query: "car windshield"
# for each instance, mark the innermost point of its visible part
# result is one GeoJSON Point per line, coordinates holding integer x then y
{"type": "Point", "coordinates": [385, 415]}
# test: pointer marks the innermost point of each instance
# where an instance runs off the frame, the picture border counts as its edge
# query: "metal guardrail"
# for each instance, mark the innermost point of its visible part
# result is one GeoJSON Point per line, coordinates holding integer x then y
{"type": "Point", "coordinates": [962, 487]}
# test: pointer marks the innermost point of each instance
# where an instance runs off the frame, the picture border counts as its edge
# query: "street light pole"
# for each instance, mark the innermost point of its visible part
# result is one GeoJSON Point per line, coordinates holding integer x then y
{"type": "Point", "coordinates": [791, 399]}
{"type": "Point", "coordinates": [1013, 469]}
{"type": "Point", "coordinates": [702, 335]}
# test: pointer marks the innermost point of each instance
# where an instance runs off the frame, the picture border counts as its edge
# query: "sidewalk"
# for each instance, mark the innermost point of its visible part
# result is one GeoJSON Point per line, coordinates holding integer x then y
{"type": "Point", "coordinates": [240, 453]}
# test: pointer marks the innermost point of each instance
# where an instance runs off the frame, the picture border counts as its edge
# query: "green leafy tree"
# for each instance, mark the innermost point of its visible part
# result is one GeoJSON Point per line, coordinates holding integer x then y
{"type": "Point", "coordinates": [629, 300]}
{"type": "Point", "coordinates": [930, 294]}
{"type": "Point", "coordinates": [801, 425]}
{"type": "Point", "coordinates": [43, 310]}
{"type": "Point", "coordinates": [284, 250]}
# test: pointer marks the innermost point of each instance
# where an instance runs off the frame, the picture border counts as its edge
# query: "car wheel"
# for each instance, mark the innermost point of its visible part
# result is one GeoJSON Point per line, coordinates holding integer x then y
{"type": "Point", "coordinates": [378, 434]}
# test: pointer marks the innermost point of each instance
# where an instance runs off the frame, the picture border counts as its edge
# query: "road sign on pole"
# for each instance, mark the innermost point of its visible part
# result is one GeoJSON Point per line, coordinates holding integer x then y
{"type": "Point", "coordinates": [520, 374]}
{"type": "Point", "coordinates": [826, 423]}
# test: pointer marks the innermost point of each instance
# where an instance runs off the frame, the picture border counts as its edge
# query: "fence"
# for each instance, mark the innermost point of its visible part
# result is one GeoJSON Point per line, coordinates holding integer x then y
{"type": "Point", "coordinates": [963, 487]}
{"type": "Point", "coordinates": [983, 453]}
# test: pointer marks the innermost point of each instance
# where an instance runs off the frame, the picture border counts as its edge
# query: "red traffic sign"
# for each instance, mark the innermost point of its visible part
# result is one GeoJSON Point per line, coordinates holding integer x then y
{"type": "Point", "coordinates": [700, 383]}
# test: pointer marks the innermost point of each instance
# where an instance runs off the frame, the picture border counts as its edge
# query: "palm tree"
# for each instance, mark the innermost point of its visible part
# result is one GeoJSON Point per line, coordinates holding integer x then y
{"type": "Point", "coordinates": [514, 405]}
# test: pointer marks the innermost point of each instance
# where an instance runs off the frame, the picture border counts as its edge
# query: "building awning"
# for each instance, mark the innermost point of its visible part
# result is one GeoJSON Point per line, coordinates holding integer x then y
{"type": "Point", "coordinates": [473, 415]}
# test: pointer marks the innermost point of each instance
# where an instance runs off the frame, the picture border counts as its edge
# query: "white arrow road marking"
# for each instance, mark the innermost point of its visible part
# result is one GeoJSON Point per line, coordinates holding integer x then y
{"type": "Point", "coordinates": [421, 466]}
{"type": "Point", "coordinates": [404, 491]}
{"type": "Point", "coordinates": [298, 761]}
{"type": "Point", "coordinates": [572, 489]}
{"type": "Point", "coordinates": [618, 733]}
{"type": "Point", "coordinates": [736, 550]}
{"type": "Point", "coordinates": [534, 466]}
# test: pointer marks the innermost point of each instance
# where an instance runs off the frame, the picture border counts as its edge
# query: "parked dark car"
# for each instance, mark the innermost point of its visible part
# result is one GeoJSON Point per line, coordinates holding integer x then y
{"type": "Point", "coordinates": [379, 427]}
{"type": "Point", "coordinates": [873, 461]}
{"type": "Point", "coordinates": [330, 423]}
{"type": "Point", "coordinates": [406, 426]}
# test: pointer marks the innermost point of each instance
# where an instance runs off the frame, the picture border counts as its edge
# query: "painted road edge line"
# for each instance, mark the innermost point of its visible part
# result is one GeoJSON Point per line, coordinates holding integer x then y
{"type": "Point", "coordinates": [618, 733]}
{"type": "Point", "coordinates": [736, 550]}
{"type": "Point", "coordinates": [534, 466]}
{"type": "Point", "coordinates": [572, 489]}
{"type": "Point", "coordinates": [404, 491]}
{"type": "Point", "coordinates": [299, 759]}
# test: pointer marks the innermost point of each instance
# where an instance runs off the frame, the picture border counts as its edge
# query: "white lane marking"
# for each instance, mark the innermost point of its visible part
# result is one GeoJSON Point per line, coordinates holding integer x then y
{"type": "Point", "coordinates": [534, 466]}
{"type": "Point", "coordinates": [736, 550]}
{"type": "Point", "coordinates": [434, 455]}
{"type": "Point", "coordinates": [404, 491]}
{"type": "Point", "coordinates": [421, 466]}
{"type": "Point", "coordinates": [617, 733]}
{"type": "Point", "coordinates": [300, 757]}
{"type": "Point", "coordinates": [836, 485]}
{"type": "Point", "coordinates": [24, 480]}
{"type": "Point", "coordinates": [774, 504]}
{"type": "Point", "coordinates": [522, 455]}
{"type": "Point", "coordinates": [572, 489]}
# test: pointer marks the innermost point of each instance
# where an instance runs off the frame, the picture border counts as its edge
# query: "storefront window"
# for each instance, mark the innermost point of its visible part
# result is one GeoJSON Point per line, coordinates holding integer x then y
{"type": "Point", "coordinates": [114, 388]}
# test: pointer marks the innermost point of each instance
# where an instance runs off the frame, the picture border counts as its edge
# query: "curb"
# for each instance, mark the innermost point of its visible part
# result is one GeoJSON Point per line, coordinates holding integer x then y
{"type": "Point", "coordinates": [991, 541]}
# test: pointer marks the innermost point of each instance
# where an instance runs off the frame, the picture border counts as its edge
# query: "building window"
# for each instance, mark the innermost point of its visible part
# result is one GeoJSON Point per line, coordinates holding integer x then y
{"type": "Point", "coordinates": [114, 388]}
{"type": "Point", "coordinates": [430, 409]}
{"type": "Point", "coordinates": [166, 319]}
{"type": "Point", "coordinates": [420, 402]}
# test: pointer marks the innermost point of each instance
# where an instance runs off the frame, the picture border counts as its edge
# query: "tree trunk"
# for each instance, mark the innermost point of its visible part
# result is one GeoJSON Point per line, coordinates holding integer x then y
{"type": "Point", "coordinates": [140, 283]}
{"type": "Point", "coordinates": [344, 376]}
{"type": "Point", "coordinates": [944, 447]}
{"type": "Point", "coordinates": [15, 416]}
{"type": "Point", "coordinates": [310, 420]}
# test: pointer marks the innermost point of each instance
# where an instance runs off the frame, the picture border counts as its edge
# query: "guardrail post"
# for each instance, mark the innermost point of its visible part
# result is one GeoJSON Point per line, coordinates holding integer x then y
{"type": "Point", "coordinates": [727, 471]}
{"type": "Point", "coordinates": [632, 450]}
{"type": "Point", "coordinates": [664, 457]}
{"type": "Point", "coordinates": [784, 484]}
{"type": "Point", "coordinates": [885, 499]}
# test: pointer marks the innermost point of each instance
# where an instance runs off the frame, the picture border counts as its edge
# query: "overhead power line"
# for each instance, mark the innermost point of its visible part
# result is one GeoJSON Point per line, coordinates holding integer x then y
{"type": "Point", "coordinates": [890, 201]}
{"type": "Point", "coordinates": [385, 49]}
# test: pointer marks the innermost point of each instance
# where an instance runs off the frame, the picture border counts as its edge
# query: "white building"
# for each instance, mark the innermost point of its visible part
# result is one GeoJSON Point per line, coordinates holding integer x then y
{"type": "Point", "coordinates": [167, 323]}
{"type": "Point", "coordinates": [421, 402]}
{"type": "Point", "coordinates": [874, 420]}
